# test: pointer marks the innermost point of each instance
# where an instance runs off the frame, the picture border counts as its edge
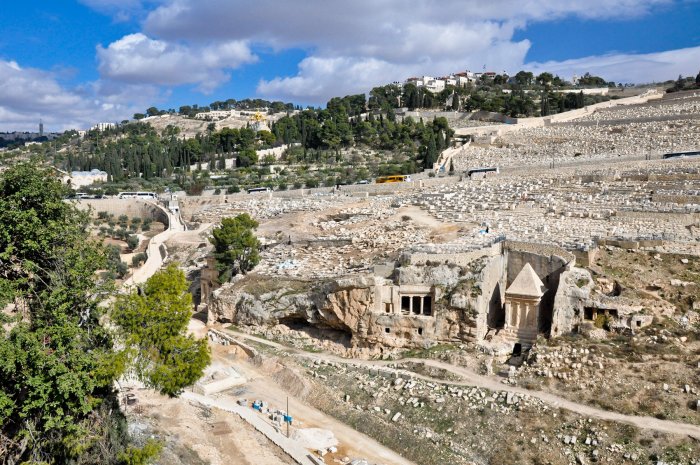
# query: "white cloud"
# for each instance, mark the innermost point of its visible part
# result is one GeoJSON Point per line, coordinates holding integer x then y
{"type": "Point", "coordinates": [28, 95]}
{"type": "Point", "coordinates": [121, 10]}
{"type": "Point", "coordinates": [354, 45]}
{"type": "Point", "coordinates": [344, 23]}
{"type": "Point", "coordinates": [320, 78]}
{"type": "Point", "coordinates": [625, 67]}
{"type": "Point", "coordinates": [136, 58]}
{"type": "Point", "coordinates": [351, 45]}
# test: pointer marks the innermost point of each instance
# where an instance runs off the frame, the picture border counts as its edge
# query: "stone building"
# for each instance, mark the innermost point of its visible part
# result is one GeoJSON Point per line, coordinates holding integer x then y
{"type": "Point", "coordinates": [523, 300]}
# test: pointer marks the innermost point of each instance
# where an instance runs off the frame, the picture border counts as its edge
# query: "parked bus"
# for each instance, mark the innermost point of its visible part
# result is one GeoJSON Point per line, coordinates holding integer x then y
{"type": "Point", "coordinates": [394, 178]}
{"type": "Point", "coordinates": [138, 195]}
{"type": "Point", "coordinates": [253, 190]}
{"type": "Point", "coordinates": [485, 170]}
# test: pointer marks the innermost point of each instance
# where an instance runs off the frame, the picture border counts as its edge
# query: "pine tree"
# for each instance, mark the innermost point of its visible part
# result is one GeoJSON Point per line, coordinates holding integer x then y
{"type": "Point", "coordinates": [440, 142]}
{"type": "Point", "coordinates": [431, 153]}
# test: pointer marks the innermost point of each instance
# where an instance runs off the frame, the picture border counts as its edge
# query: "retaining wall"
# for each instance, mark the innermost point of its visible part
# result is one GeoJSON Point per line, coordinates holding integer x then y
{"type": "Point", "coordinates": [132, 208]}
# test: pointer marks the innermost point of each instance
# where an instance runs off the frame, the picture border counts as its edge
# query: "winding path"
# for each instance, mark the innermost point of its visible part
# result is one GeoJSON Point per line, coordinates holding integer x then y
{"type": "Point", "coordinates": [472, 378]}
{"type": "Point", "coordinates": [155, 258]}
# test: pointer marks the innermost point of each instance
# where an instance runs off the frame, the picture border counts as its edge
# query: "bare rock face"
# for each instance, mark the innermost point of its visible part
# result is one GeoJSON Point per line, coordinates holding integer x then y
{"type": "Point", "coordinates": [341, 304]}
{"type": "Point", "coordinates": [438, 274]}
{"type": "Point", "coordinates": [345, 304]}
{"type": "Point", "coordinates": [244, 302]}
{"type": "Point", "coordinates": [349, 305]}
{"type": "Point", "coordinates": [575, 289]}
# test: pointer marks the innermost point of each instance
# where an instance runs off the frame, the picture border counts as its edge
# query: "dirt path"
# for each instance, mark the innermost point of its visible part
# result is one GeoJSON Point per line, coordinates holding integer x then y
{"type": "Point", "coordinates": [472, 378]}
{"type": "Point", "coordinates": [213, 435]}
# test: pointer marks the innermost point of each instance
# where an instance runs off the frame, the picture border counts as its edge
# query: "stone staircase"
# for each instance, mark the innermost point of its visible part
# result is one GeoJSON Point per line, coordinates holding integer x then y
{"type": "Point", "coordinates": [524, 336]}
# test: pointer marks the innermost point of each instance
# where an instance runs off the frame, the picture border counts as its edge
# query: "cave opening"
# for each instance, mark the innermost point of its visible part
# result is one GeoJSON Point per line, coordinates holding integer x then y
{"type": "Point", "coordinates": [320, 332]}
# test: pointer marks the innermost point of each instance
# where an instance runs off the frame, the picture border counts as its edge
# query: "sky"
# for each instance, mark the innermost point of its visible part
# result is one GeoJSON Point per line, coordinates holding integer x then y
{"type": "Point", "coordinates": [75, 63]}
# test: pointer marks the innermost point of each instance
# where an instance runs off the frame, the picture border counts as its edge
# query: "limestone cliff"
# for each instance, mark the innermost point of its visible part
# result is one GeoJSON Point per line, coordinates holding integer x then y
{"type": "Point", "coordinates": [350, 305]}
{"type": "Point", "coordinates": [575, 288]}
{"type": "Point", "coordinates": [256, 300]}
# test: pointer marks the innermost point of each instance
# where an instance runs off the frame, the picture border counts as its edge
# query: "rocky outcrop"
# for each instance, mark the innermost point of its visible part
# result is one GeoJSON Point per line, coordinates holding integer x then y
{"type": "Point", "coordinates": [579, 299]}
{"type": "Point", "coordinates": [350, 305]}
{"type": "Point", "coordinates": [575, 288]}
{"type": "Point", "coordinates": [255, 300]}
{"type": "Point", "coordinates": [345, 304]}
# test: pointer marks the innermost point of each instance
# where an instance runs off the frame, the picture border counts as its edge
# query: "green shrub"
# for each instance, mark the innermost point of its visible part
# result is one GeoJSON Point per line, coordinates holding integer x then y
{"type": "Point", "coordinates": [132, 241]}
{"type": "Point", "coordinates": [138, 259]}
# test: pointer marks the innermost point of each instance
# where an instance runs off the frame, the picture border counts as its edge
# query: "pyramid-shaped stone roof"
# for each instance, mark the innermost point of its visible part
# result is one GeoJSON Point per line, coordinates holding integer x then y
{"type": "Point", "coordinates": [527, 283]}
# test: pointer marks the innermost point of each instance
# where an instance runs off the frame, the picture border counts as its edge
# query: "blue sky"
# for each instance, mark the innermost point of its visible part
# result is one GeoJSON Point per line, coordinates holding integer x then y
{"type": "Point", "coordinates": [74, 63]}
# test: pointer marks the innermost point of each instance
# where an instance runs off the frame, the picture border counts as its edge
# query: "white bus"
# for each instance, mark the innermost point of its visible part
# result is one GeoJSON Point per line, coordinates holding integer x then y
{"type": "Point", "coordinates": [138, 195]}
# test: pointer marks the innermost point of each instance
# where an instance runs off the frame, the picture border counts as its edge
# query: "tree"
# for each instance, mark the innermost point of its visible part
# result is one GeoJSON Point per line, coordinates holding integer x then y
{"type": "Point", "coordinates": [524, 78]}
{"type": "Point", "coordinates": [697, 80]}
{"type": "Point", "coordinates": [679, 84]}
{"type": "Point", "coordinates": [57, 363]}
{"type": "Point", "coordinates": [138, 259]}
{"type": "Point", "coordinates": [266, 137]}
{"type": "Point", "coordinates": [430, 153]}
{"type": "Point", "coordinates": [589, 80]}
{"type": "Point", "coordinates": [132, 241]}
{"type": "Point", "coordinates": [153, 325]}
{"type": "Point", "coordinates": [545, 78]}
{"type": "Point", "coordinates": [246, 157]}
{"type": "Point", "coordinates": [235, 245]}
{"type": "Point", "coordinates": [545, 109]}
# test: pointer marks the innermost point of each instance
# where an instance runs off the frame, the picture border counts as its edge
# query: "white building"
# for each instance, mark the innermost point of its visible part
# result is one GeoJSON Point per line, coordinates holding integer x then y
{"type": "Point", "coordinates": [77, 179]}
{"type": "Point", "coordinates": [435, 85]}
{"type": "Point", "coordinates": [217, 114]}
{"type": "Point", "coordinates": [103, 126]}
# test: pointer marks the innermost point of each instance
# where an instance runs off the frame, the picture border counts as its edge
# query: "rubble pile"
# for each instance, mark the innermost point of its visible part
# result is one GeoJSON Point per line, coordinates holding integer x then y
{"type": "Point", "coordinates": [351, 242]}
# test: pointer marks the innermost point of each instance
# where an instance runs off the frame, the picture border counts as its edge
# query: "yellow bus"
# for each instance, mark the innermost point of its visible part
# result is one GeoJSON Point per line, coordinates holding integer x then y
{"type": "Point", "coordinates": [394, 178]}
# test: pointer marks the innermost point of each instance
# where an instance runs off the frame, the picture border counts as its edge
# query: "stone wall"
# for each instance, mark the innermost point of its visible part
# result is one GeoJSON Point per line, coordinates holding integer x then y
{"type": "Point", "coordinates": [682, 219]}
{"type": "Point", "coordinates": [130, 207]}
{"type": "Point", "coordinates": [460, 259]}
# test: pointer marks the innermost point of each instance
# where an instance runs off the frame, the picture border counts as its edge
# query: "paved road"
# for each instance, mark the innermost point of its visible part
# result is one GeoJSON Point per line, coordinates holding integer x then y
{"type": "Point", "coordinates": [155, 258]}
{"type": "Point", "coordinates": [472, 378]}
